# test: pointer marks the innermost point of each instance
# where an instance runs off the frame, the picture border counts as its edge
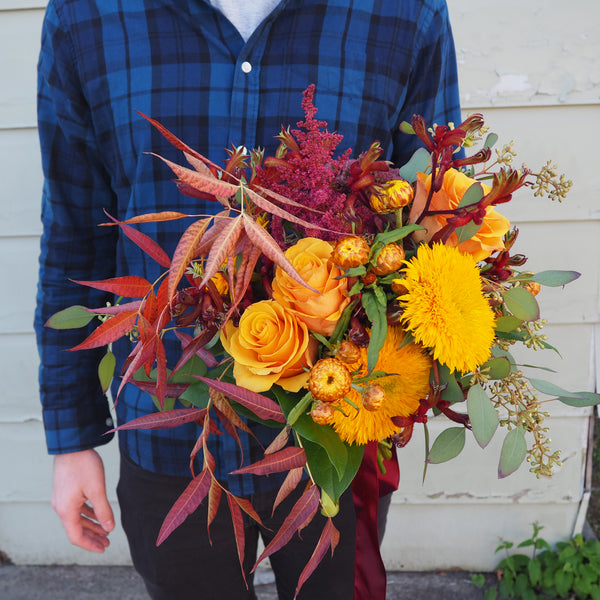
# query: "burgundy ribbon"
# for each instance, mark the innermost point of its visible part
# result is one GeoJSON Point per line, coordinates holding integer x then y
{"type": "Point", "coordinates": [367, 487]}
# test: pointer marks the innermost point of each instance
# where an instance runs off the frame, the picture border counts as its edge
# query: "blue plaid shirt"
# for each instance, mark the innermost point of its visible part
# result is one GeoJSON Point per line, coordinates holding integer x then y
{"type": "Point", "coordinates": [374, 62]}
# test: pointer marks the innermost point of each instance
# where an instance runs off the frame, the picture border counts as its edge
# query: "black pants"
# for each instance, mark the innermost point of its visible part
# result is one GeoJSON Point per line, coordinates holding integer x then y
{"type": "Point", "coordinates": [187, 566]}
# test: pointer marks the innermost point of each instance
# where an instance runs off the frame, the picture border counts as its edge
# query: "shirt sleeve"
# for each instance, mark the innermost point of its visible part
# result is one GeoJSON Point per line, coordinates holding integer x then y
{"type": "Point", "coordinates": [73, 247]}
{"type": "Point", "coordinates": [432, 88]}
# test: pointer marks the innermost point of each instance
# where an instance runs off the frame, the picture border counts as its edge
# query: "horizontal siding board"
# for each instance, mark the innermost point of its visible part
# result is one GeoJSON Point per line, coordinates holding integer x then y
{"type": "Point", "coordinates": [534, 53]}
{"type": "Point", "coordinates": [21, 4]}
{"type": "Point", "coordinates": [18, 273]}
{"type": "Point", "coordinates": [446, 536]}
{"type": "Point", "coordinates": [19, 49]}
{"type": "Point", "coordinates": [21, 177]}
{"type": "Point", "coordinates": [19, 360]}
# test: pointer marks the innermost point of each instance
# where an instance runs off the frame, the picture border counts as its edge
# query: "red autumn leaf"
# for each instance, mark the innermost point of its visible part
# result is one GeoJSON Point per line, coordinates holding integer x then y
{"type": "Point", "coordinates": [161, 372]}
{"type": "Point", "coordinates": [273, 209]}
{"type": "Point", "coordinates": [185, 252]}
{"type": "Point", "coordinates": [221, 249]}
{"type": "Point", "coordinates": [222, 404]}
{"type": "Point", "coordinates": [209, 360]}
{"type": "Point", "coordinates": [130, 286]}
{"type": "Point", "coordinates": [174, 140]}
{"type": "Point", "coordinates": [238, 528]}
{"type": "Point", "coordinates": [304, 510]}
{"type": "Point", "coordinates": [291, 481]}
{"type": "Point", "coordinates": [150, 308]}
{"type": "Point", "coordinates": [201, 444]}
{"type": "Point", "coordinates": [172, 390]}
{"type": "Point", "coordinates": [284, 460]}
{"type": "Point", "coordinates": [330, 537]}
{"type": "Point", "coordinates": [214, 498]}
{"type": "Point", "coordinates": [243, 276]}
{"type": "Point", "coordinates": [109, 331]}
{"type": "Point", "coordinates": [204, 183]}
{"type": "Point", "coordinates": [117, 308]}
{"type": "Point", "coordinates": [147, 244]}
{"type": "Point", "coordinates": [261, 406]}
{"type": "Point", "coordinates": [283, 199]}
{"type": "Point", "coordinates": [197, 163]}
{"type": "Point", "coordinates": [280, 440]}
{"type": "Point", "coordinates": [270, 248]}
{"type": "Point", "coordinates": [220, 221]}
{"type": "Point", "coordinates": [195, 347]}
{"type": "Point", "coordinates": [154, 217]}
{"type": "Point", "coordinates": [247, 507]}
{"type": "Point", "coordinates": [185, 505]}
{"type": "Point", "coordinates": [140, 355]}
{"type": "Point", "coordinates": [165, 419]}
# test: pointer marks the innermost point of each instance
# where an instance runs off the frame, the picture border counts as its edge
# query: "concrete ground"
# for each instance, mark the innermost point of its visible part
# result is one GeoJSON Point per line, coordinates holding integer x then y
{"type": "Point", "coordinates": [123, 583]}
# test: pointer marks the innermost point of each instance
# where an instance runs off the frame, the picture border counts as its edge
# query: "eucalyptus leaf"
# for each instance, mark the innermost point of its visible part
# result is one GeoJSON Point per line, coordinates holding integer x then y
{"type": "Point", "coordinates": [514, 450]}
{"type": "Point", "coordinates": [482, 414]}
{"type": "Point", "coordinates": [508, 323]}
{"type": "Point", "coordinates": [490, 140]}
{"type": "Point", "coordinates": [447, 445]}
{"type": "Point", "coordinates": [420, 162]}
{"type": "Point", "coordinates": [73, 317]}
{"type": "Point", "coordinates": [466, 232]}
{"type": "Point", "coordinates": [497, 368]}
{"type": "Point", "coordinates": [577, 399]}
{"type": "Point", "coordinates": [522, 304]}
{"type": "Point", "coordinates": [472, 196]}
{"type": "Point", "coordinates": [452, 391]}
{"type": "Point", "coordinates": [555, 278]}
{"type": "Point", "coordinates": [106, 370]}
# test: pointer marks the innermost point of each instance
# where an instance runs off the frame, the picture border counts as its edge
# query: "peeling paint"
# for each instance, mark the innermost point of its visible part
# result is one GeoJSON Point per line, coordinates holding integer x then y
{"type": "Point", "coordinates": [510, 84]}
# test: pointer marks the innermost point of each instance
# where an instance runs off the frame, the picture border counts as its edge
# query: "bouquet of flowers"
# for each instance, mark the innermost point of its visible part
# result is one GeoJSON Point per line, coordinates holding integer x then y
{"type": "Point", "coordinates": [343, 301]}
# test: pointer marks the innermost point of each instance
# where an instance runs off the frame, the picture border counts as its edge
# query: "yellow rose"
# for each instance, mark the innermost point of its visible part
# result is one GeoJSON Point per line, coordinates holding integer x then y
{"type": "Point", "coordinates": [489, 237]}
{"type": "Point", "coordinates": [270, 345]}
{"type": "Point", "coordinates": [320, 312]}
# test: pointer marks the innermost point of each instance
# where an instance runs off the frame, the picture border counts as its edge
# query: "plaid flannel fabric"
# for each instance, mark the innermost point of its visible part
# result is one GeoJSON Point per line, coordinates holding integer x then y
{"type": "Point", "coordinates": [375, 63]}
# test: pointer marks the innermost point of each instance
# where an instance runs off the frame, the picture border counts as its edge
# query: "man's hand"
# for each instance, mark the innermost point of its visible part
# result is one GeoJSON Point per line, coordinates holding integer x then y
{"type": "Point", "coordinates": [79, 499]}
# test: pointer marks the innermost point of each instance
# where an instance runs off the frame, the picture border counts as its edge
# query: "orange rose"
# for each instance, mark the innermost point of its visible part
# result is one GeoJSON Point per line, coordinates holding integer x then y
{"type": "Point", "coordinates": [489, 237]}
{"type": "Point", "coordinates": [270, 345]}
{"type": "Point", "coordinates": [320, 312]}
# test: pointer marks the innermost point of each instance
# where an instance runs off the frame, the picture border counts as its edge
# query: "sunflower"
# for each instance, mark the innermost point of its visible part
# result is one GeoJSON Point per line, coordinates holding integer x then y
{"type": "Point", "coordinates": [406, 384]}
{"type": "Point", "coordinates": [445, 309]}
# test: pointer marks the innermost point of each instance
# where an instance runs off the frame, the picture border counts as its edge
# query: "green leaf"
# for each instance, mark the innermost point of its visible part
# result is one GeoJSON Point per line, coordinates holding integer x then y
{"type": "Point", "coordinates": [106, 370]}
{"type": "Point", "coordinates": [447, 445]}
{"type": "Point", "coordinates": [514, 450]}
{"type": "Point", "coordinates": [555, 278]}
{"type": "Point", "coordinates": [185, 374]}
{"type": "Point", "coordinates": [509, 323]}
{"type": "Point", "coordinates": [466, 232]}
{"type": "Point", "coordinates": [472, 196]}
{"type": "Point", "coordinates": [483, 415]}
{"type": "Point", "coordinates": [73, 317]}
{"type": "Point", "coordinates": [420, 162]}
{"type": "Point", "coordinates": [490, 140]}
{"type": "Point", "coordinates": [497, 368]}
{"type": "Point", "coordinates": [534, 569]}
{"type": "Point", "coordinates": [326, 477]}
{"type": "Point", "coordinates": [452, 392]}
{"type": "Point", "coordinates": [576, 399]}
{"type": "Point", "coordinates": [478, 579]}
{"type": "Point", "coordinates": [394, 235]}
{"type": "Point", "coordinates": [342, 324]}
{"type": "Point", "coordinates": [301, 407]}
{"type": "Point", "coordinates": [490, 594]}
{"type": "Point", "coordinates": [522, 304]}
{"type": "Point", "coordinates": [376, 313]}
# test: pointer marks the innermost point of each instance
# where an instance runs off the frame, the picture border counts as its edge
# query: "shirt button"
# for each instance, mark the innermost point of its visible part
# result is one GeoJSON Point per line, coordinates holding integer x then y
{"type": "Point", "coordinates": [246, 67]}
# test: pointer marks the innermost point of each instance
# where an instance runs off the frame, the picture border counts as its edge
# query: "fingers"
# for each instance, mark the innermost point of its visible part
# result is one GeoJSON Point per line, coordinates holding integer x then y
{"type": "Point", "coordinates": [79, 499]}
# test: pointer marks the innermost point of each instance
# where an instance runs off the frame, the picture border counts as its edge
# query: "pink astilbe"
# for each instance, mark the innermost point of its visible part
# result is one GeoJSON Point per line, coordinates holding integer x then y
{"type": "Point", "coordinates": [305, 171]}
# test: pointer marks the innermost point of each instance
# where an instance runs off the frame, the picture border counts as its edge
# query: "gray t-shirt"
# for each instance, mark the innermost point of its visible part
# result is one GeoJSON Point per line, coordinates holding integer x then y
{"type": "Point", "coordinates": [245, 15]}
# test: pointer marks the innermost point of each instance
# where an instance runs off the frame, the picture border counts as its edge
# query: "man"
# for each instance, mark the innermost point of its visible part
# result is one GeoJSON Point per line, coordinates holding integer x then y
{"type": "Point", "coordinates": [214, 74]}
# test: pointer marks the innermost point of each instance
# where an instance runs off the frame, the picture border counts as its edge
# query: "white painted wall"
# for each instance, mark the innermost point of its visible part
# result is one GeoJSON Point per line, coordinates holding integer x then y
{"type": "Point", "coordinates": [533, 69]}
